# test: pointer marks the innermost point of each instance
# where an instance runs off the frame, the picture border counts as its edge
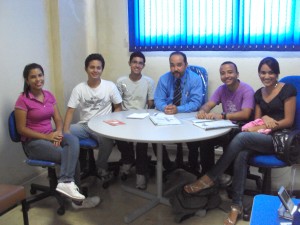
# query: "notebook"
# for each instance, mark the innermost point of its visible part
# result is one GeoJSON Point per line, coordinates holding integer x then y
{"type": "Point", "coordinates": [215, 124]}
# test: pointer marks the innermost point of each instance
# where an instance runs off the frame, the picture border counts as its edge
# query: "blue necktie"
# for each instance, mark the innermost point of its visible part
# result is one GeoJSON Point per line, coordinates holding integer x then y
{"type": "Point", "coordinates": [177, 93]}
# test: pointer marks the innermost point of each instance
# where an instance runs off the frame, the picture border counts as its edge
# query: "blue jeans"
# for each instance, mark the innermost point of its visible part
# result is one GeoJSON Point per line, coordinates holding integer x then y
{"type": "Point", "coordinates": [82, 131]}
{"type": "Point", "coordinates": [66, 155]}
{"type": "Point", "coordinates": [238, 151]}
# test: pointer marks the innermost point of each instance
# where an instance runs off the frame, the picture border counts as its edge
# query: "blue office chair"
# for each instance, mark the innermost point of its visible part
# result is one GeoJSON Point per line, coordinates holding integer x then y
{"type": "Point", "coordinates": [265, 163]}
{"type": "Point", "coordinates": [201, 71]}
{"type": "Point", "coordinates": [46, 191]}
{"type": "Point", "coordinates": [86, 157]}
{"type": "Point", "coordinates": [204, 78]}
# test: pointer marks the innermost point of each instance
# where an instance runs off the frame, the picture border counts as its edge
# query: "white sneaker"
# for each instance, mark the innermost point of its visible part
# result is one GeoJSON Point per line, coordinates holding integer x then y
{"type": "Point", "coordinates": [70, 190]}
{"type": "Point", "coordinates": [141, 182]}
{"type": "Point", "coordinates": [87, 203]}
{"type": "Point", "coordinates": [125, 169]}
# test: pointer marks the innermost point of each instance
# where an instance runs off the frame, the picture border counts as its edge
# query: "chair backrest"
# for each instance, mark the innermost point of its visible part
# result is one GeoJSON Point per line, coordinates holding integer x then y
{"type": "Point", "coordinates": [204, 78]}
{"type": "Point", "coordinates": [13, 133]}
{"type": "Point", "coordinates": [294, 80]}
{"type": "Point", "coordinates": [16, 137]}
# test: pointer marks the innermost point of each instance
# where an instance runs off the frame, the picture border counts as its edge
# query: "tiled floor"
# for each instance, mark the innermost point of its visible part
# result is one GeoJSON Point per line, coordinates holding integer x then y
{"type": "Point", "coordinates": [116, 203]}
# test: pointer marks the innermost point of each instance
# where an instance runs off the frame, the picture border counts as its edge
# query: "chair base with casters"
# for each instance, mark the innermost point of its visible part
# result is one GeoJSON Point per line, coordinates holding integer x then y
{"type": "Point", "coordinates": [88, 164]}
{"type": "Point", "coordinates": [265, 164]}
{"type": "Point", "coordinates": [10, 197]}
{"type": "Point", "coordinates": [46, 191]}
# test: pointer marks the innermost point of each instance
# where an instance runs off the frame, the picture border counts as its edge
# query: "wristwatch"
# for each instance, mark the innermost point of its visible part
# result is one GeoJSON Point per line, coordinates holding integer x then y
{"type": "Point", "coordinates": [224, 115]}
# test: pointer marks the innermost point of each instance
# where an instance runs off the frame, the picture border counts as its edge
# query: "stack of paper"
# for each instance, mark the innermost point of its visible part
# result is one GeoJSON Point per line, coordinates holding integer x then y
{"type": "Point", "coordinates": [137, 115]}
{"type": "Point", "coordinates": [162, 119]}
{"type": "Point", "coordinates": [215, 124]}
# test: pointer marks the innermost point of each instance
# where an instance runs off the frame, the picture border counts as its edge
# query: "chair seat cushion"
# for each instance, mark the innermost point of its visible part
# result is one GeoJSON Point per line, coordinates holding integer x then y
{"type": "Point", "coordinates": [42, 163]}
{"type": "Point", "coordinates": [266, 161]}
{"type": "Point", "coordinates": [10, 195]}
{"type": "Point", "coordinates": [88, 143]}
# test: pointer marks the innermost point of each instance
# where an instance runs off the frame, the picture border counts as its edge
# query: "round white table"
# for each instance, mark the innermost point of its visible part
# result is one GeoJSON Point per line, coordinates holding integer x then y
{"type": "Point", "coordinates": [143, 130]}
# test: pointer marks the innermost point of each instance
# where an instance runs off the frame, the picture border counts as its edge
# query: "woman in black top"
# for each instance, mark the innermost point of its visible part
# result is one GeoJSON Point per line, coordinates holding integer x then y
{"type": "Point", "coordinates": [275, 104]}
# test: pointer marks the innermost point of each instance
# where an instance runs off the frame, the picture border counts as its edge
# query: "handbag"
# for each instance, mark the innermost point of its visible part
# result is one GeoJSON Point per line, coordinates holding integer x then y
{"type": "Point", "coordinates": [286, 145]}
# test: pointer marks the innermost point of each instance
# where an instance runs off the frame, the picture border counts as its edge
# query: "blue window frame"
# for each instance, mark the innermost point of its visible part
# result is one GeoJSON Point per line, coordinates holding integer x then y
{"type": "Point", "coordinates": [220, 25]}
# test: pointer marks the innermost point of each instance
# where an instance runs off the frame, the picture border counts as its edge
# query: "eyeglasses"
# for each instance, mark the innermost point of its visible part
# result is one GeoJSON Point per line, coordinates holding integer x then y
{"type": "Point", "coordinates": [137, 63]}
{"type": "Point", "coordinates": [266, 72]}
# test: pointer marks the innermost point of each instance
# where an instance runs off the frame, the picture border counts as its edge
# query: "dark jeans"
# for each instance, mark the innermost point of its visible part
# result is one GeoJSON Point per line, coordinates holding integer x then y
{"type": "Point", "coordinates": [207, 153]}
{"type": "Point", "coordinates": [167, 163]}
{"type": "Point", "coordinates": [127, 155]}
{"type": "Point", "coordinates": [141, 162]}
{"type": "Point", "coordinates": [238, 151]}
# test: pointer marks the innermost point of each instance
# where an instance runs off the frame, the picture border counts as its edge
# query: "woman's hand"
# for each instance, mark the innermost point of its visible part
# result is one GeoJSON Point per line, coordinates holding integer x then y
{"type": "Point", "coordinates": [270, 123]}
{"type": "Point", "coordinates": [55, 137]}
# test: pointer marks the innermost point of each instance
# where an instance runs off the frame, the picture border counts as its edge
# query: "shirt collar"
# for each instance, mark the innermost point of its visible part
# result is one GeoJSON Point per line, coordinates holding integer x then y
{"type": "Point", "coordinates": [31, 96]}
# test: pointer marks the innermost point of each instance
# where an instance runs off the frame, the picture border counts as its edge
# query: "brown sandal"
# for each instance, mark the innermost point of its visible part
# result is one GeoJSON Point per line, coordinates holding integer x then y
{"type": "Point", "coordinates": [200, 184]}
{"type": "Point", "coordinates": [233, 215]}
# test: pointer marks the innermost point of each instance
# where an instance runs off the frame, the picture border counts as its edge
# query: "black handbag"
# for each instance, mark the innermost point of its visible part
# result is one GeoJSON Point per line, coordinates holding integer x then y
{"type": "Point", "coordinates": [287, 145]}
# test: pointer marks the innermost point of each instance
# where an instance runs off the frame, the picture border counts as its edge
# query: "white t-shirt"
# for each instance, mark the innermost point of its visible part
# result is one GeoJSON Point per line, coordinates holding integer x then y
{"type": "Point", "coordinates": [135, 94]}
{"type": "Point", "coordinates": [94, 101]}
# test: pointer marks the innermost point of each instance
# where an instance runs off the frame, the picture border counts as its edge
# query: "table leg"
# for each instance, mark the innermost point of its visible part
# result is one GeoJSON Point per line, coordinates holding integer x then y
{"type": "Point", "coordinates": [155, 199]}
{"type": "Point", "coordinates": [159, 170]}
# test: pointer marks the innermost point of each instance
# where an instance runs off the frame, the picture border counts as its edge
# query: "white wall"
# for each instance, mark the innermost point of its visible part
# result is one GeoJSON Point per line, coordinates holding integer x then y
{"type": "Point", "coordinates": [60, 34]}
{"type": "Point", "coordinates": [23, 33]}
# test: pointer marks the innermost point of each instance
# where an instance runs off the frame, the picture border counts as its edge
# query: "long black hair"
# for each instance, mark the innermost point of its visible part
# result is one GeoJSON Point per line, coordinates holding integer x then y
{"type": "Point", "coordinates": [26, 72]}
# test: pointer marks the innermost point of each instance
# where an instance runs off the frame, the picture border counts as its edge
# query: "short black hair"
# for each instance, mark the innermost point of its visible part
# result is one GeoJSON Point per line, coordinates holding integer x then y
{"type": "Point", "coordinates": [137, 54]}
{"type": "Point", "coordinates": [94, 56]}
{"type": "Point", "coordinates": [229, 62]}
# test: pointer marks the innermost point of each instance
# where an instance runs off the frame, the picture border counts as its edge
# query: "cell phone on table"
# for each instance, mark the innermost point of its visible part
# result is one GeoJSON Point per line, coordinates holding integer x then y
{"type": "Point", "coordinates": [286, 200]}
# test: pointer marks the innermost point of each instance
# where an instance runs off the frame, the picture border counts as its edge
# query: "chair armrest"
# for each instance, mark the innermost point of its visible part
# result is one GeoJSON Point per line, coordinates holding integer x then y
{"type": "Point", "coordinates": [292, 148]}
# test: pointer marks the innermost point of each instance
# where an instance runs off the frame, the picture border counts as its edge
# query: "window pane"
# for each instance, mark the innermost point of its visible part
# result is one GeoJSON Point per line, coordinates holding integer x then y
{"type": "Point", "coordinates": [214, 25]}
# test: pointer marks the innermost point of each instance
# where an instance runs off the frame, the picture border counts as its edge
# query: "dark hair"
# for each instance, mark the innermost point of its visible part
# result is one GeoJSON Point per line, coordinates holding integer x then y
{"type": "Point", "coordinates": [26, 72]}
{"type": "Point", "coordinates": [270, 62]}
{"type": "Point", "coordinates": [94, 56]}
{"type": "Point", "coordinates": [137, 54]}
{"type": "Point", "coordinates": [179, 53]}
{"type": "Point", "coordinates": [229, 62]}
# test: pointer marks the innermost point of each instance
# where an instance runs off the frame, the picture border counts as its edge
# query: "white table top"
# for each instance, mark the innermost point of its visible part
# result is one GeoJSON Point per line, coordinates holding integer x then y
{"type": "Point", "coordinates": [143, 130]}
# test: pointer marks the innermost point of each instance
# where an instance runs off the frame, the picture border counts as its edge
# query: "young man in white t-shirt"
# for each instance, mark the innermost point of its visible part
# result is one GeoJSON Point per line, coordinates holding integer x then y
{"type": "Point", "coordinates": [93, 97]}
{"type": "Point", "coordinates": [137, 92]}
